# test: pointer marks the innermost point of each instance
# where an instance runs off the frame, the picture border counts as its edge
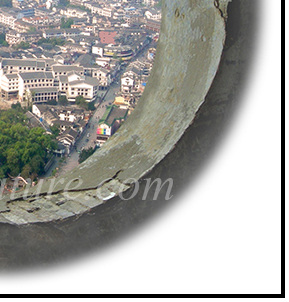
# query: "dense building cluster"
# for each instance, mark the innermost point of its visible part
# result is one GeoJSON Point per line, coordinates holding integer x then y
{"type": "Point", "coordinates": [70, 122]}
{"type": "Point", "coordinates": [60, 59]}
{"type": "Point", "coordinates": [74, 48]}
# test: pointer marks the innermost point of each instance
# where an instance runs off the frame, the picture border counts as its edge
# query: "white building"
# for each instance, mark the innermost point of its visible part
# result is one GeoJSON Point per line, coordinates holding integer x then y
{"type": "Point", "coordinates": [149, 2]}
{"type": "Point", "coordinates": [8, 18]}
{"type": "Point", "coordinates": [153, 14]}
{"type": "Point", "coordinates": [130, 82]}
{"type": "Point", "coordinates": [84, 86]}
{"type": "Point", "coordinates": [73, 84]}
{"type": "Point", "coordinates": [33, 80]}
{"type": "Point", "coordinates": [9, 86]}
{"type": "Point", "coordinates": [59, 70]}
{"type": "Point", "coordinates": [18, 66]}
{"type": "Point", "coordinates": [102, 11]}
{"type": "Point", "coordinates": [73, 13]}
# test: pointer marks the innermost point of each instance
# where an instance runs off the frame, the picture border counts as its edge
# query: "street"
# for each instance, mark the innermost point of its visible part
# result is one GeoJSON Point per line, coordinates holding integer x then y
{"type": "Point", "coordinates": [88, 137]}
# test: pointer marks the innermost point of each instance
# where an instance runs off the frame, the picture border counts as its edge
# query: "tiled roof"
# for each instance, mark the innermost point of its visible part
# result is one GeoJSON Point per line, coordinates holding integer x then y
{"type": "Point", "coordinates": [66, 68]}
{"type": "Point", "coordinates": [36, 75]}
{"type": "Point", "coordinates": [112, 114]}
{"type": "Point", "coordinates": [22, 63]}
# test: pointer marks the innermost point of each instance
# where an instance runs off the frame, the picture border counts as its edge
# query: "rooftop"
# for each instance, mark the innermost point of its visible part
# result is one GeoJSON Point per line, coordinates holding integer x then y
{"type": "Point", "coordinates": [66, 68]}
{"type": "Point", "coordinates": [112, 114]}
{"type": "Point", "coordinates": [36, 75]}
{"type": "Point", "coordinates": [21, 63]}
{"type": "Point", "coordinates": [88, 80]}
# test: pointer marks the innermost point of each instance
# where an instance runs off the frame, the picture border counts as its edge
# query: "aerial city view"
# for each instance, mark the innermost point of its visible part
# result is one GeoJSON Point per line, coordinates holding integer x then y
{"type": "Point", "coordinates": [71, 72]}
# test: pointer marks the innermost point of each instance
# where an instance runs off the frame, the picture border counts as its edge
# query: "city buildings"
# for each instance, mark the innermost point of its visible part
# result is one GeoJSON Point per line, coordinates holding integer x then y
{"type": "Point", "coordinates": [77, 50]}
{"type": "Point", "coordinates": [110, 122]}
{"type": "Point", "coordinates": [71, 122]}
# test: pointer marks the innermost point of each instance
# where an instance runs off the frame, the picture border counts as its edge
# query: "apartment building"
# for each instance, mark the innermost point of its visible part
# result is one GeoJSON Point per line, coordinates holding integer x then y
{"type": "Point", "coordinates": [101, 11]}
{"type": "Point", "coordinates": [62, 70]}
{"type": "Point", "coordinates": [41, 95]}
{"type": "Point", "coordinates": [37, 82]}
{"type": "Point", "coordinates": [103, 76]}
{"type": "Point", "coordinates": [74, 84]}
{"type": "Point", "coordinates": [61, 33]}
{"type": "Point", "coordinates": [73, 13]}
{"type": "Point", "coordinates": [153, 14]}
{"type": "Point", "coordinates": [82, 85]}
{"type": "Point", "coordinates": [8, 17]}
{"type": "Point", "coordinates": [18, 66]}
{"type": "Point", "coordinates": [13, 37]}
{"type": "Point", "coordinates": [9, 84]}
{"type": "Point", "coordinates": [131, 81]}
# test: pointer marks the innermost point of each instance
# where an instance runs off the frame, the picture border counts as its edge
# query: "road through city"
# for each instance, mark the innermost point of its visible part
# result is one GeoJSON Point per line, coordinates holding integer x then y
{"type": "Point", "coordinates": [88, 137]}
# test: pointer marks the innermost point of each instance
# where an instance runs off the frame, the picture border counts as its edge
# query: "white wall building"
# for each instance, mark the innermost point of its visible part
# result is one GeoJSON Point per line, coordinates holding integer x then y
{"type": "Point", "coordinates": [33, 80]}
{"type": "Point", "coordinates": [153, 14]}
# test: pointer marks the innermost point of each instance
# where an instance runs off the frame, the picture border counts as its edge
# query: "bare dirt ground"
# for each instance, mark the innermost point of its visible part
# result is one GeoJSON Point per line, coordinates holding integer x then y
{"type": "Point", "coordinates": [4, 105]}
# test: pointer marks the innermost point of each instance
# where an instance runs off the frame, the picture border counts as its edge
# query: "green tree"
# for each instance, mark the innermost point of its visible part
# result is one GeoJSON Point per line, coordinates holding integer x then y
{"type": "Point", "coordinates": [32, 29]}
{"type": "Point", "coordinates": [66, 23]}
{"type": "Point", "coordinates": [81, 102]}
{"type": "Point", "coordinates": [26, 171]}
{"type": "Point", "coordinates": [2, 173]}
{"type": "Point", "coordinates": [22, 149]}
{"type": "Point", "coordinates": [13, 161]}
{"type": "Point", "coordinates": [21, 45]}
{"type": "Point", "coordinates": [158, 4]}
{"type": "Point", "coordinates": [16, 106]}
{"type": "Point", "coordinates": [37, 164]}
{"type": "Point", "coordinates": [85, 153]}
{"type": "Point", "coordinates": [3, 39]}
{"type": "Point", "coordinates": [52, 102]}
{"type": "Point", "coordinates": [55, 131]}
{"type": "Point", "coordinates": [90, 106]}
{"type": "Point", "coordinates": [62, 100]}
{"type": "Point", "coordinates": [52, 41]}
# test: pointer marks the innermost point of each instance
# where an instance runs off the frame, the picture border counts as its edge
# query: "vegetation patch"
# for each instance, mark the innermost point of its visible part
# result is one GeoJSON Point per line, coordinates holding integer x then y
{"type": "Point", "coordinates": [23, 150]}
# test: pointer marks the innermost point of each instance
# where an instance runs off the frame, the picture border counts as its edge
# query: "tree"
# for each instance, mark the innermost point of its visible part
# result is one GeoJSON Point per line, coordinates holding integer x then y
{"type": "Point", "coordinates": [21, 45]}
{"type": "Point", "coordinates": [13, 161]}
{"type": "Point", "coordinates": [26, 171]}
{"type": "Point", "coordinates": [3, 39]}
{"type": "Point", "coordinates": [16, 106]}
{"type": "Point", "coordinates": [32, 29]}
{"type": "Point", "coordinates": [52, 102]}
{"type": "Point", "coordinates": [85, 153]}
{"type": "Point", "coordinates": [28, 97]}
{"type": "Point", "coordinates": [66, 23]}
{"type": "Point", "coordinates": [81, 102]}
{"type": "Point", "coordinates": [37, 164]}
{"type": "Point", "coordinates": [22, 149]}
{"type": "Point", "coordinates": [90, 106]}
{"type": "Point", "coordinates": [55, 131]}
{"type": "Point", "coordinates": [159, 4]}
{"type": "Point", "coordinates": [2, 173]}
{"type": "Point", "coordinates": [62, 100]}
